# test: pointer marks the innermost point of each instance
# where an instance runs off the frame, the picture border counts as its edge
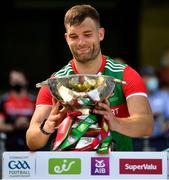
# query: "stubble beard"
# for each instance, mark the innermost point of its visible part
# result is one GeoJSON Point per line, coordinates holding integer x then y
{"type": "Point", "coordinates": [85, 58]}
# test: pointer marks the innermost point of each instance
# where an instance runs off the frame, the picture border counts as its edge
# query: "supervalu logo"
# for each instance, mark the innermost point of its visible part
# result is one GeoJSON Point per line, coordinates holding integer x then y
{"type": "Point", "coordinates": [140, 166]}
{"type": "Point", "coordinates": [64, 166]}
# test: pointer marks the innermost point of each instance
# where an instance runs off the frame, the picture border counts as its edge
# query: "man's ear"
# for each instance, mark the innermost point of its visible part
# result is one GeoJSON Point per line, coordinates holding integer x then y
{"type": "Point", "coordinates": [65, 36]}
{"type": "Point", "coordinates": [101, 33]}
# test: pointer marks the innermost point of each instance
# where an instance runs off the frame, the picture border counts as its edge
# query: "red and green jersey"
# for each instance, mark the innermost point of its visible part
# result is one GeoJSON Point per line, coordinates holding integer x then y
{"type": "Point", "coordinates": [135, 86]}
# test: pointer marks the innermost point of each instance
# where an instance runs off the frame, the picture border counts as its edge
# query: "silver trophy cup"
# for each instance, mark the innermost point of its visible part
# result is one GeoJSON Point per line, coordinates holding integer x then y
{"type": "Point", "coordinates": [81, 92]}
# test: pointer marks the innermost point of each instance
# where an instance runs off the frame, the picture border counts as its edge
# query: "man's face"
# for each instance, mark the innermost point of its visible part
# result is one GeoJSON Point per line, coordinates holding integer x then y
{"type": "Point", "coordinates": [84, 40]}
{"type": "Point", "coordinates": [17, 78]}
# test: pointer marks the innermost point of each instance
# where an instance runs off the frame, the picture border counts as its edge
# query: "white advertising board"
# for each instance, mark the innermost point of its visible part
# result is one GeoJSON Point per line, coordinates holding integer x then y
{"type": "Point", "coordinates": [84, 165]}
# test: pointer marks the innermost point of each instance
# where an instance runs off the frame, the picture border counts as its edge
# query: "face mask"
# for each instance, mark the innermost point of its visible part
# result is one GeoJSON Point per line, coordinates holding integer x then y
{"type": "Point", "coordinates": [17, 87]}
{"type": "Point", "coordinates": [152, 84]}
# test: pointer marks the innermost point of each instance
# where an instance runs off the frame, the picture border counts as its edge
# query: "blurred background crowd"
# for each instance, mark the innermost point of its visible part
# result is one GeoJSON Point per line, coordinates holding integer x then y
{"type": "Point", "coordinates": [33, 46]}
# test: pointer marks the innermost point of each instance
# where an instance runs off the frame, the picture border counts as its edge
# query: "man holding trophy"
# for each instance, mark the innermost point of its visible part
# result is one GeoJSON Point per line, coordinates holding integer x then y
{"type": "Point", "coordinates": [92, 103]}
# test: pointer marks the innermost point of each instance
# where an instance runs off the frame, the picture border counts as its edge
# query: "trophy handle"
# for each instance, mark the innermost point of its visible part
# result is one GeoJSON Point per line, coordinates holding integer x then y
{"type": "Point", "coordinates": [41, 84]}
{"type": "Point", "coordinates": [118, 81]}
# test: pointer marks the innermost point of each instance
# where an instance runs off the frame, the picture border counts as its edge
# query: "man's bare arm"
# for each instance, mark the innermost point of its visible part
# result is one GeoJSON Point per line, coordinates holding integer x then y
{"type": "Point", "coordinates": [34, 137]}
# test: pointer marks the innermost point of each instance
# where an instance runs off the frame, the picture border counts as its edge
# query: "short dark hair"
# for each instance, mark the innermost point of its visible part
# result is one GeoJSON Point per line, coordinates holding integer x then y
{"type": "Point", "coordinates": [78, 13]}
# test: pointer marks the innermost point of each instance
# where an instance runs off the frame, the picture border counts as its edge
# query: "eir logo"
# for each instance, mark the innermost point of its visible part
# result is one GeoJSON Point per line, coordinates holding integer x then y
{"type": "Point", "coordinates": [140, 166]}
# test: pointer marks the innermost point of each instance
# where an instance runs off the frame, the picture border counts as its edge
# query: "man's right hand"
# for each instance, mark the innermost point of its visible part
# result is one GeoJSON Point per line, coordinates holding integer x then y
{"type": "Point", "coordinates": [56, 116]}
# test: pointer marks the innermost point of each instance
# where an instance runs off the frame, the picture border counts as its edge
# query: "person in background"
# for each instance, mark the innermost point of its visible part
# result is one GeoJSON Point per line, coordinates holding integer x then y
{"type": "Point", "coordinates": [164, 71]}
{"type": "Point", "coordinates": [127, 111]}
{"type": "Point", "coordinates": [16, 108]}
{"type": "Point", "coordinates": [159, 102]}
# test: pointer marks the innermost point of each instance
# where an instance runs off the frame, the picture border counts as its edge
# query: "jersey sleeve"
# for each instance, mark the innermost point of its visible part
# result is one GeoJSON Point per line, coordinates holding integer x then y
{"type": "Point", "coordinates": [135, 83]}
{"type": "Point", "coordinates": [44, 97]}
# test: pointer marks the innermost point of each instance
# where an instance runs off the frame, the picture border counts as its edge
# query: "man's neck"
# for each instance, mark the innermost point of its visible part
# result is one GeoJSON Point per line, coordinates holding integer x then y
{"type": "Point", "coordinates": [91, 67]}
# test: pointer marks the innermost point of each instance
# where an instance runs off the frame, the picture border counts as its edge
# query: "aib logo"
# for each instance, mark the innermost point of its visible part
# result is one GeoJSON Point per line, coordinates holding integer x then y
{"type": "Point", "coordinates": [18, 165]}
{"type": "Point", "coordinates": [64, 166]}
{"type": "Point", "coordinates": [100, 166]}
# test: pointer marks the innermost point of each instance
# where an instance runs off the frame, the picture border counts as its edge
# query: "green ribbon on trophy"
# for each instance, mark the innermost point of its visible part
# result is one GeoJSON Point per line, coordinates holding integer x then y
{"type": "Point", "coordinates": [76, 133]}
{"type": "Point", "coordinates": [81, 93]}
